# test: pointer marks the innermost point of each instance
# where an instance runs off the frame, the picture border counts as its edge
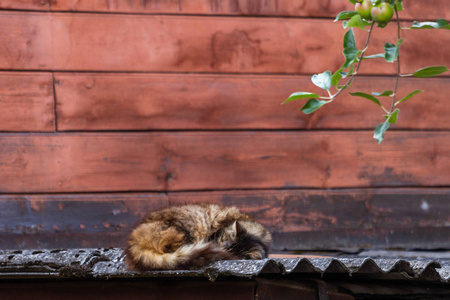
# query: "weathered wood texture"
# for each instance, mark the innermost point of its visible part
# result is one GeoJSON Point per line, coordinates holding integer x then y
{"type": "Point", "coordinates": [298, 219]}
{"type": "Point", "coordinates": [432, 9]}
{"type": "Point", "coordinates": [26, 102]}
{"type": "Point", "coordinates": [220, 160]}
{"type": "Point", "coordinates": [71, 220]}
{"type": "Point", "coordinates": [148, 289]}
{"type": "Point", "coordinates": [289, 290]}
{"type": "Point", "coordinates": [82, 42]}
{"type": "Point", "coordinates": [25, 4]}
{"type": "Point", "coordinates": [87, 54]}
{"type": "Point", "coordinates": [165, 101]}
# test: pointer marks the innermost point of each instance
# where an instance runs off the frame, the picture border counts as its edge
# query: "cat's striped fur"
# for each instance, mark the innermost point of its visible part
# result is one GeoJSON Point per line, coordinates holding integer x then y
{"type": "Point", "coordinates": [192, 236]}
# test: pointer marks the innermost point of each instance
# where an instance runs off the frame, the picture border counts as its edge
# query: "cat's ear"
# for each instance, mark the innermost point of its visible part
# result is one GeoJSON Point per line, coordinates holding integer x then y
{"type": "Point", "coordinates": [239, 229]}
{"type": "Point", "coordinates": [233, 228]}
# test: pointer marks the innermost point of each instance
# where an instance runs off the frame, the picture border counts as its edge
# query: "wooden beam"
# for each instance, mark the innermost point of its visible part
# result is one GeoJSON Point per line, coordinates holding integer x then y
{"type": "Point", "coordinates": [220, 160]}
{"type": "Point", "coordinates": [149, 289]}
{"type": "Point", "coordinates": [298, 219]}
{"type": "Point", "coordinates": [172, 101]}
{"type": "Point", "coordinates": [431, 10]}
{"type": "Point", "coordinates": [41, 41]}
{"type": "Point", "coordinates": [25, 4]}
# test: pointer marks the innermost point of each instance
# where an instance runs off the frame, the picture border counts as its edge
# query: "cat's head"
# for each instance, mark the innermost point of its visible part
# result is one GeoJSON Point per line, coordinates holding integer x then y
{"type": "Point", "coordinates": [246, 240]}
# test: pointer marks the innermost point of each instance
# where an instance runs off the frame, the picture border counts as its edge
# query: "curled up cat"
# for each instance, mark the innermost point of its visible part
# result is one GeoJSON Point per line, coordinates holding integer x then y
{"type": "Point", "coordinates": [193, 236]}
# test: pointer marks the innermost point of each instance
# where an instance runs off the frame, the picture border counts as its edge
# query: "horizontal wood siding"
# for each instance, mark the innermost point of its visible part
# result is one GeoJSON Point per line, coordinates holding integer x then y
{"type": "Point", "coordinates": [153, 289]}
{"type": "Point", "coordinates": [160, 102]}
{"type": "Point", "coordinates": [80, 42]}
{"type": "Point", "coordinates": [25, 4]}
{"type": "Point", "coordinates": [220, 160]}
{"type": "Point", "coordinates": [433, 9]}
{"type": "Point", "coordinates": [110, 109]}
{"type": "Point", "coordinates": [298, 219]}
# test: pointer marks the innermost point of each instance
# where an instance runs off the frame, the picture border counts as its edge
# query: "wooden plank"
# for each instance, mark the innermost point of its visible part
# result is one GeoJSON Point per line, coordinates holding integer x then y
{"type": "Point", "coordinates": [164, 101]}
{"type": "Point", "coordinates": [432, 9]}
{"type": "Point", "coordinates": [79, 163]}
{"type": "Point", "coordinates": [268, 289]}
{"type": "Point", "coordinates": [220, 160]}
{"type": "Point", "coordinates": [298, 219]}
{"type": "Point", "coordinates": [353, 240]}
{"type": "Point", "coordinates": [153, 289]}
{"type": "Point", "coordinates": [42, 41]}
{"type": "Point", "coordinates": [25, 4]}
{"type": "Point", "coordinates": [26, 41]}
{"type": "Point", "coordinates": [70, 221]}
{"type": "Point", "coordinates": [26, 102]}
{"type": "Point", "coordinates": [345, 219]}
{"type": "Point", "coordinates": [211, 7]}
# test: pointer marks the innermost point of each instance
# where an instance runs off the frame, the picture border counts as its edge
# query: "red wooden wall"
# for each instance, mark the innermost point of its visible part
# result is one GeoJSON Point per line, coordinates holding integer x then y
{"type": "Point", "coordinates": [112, 108]}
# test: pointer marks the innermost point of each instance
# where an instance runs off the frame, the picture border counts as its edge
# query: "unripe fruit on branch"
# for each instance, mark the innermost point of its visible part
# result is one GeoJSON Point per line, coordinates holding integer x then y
{"type": "Point", "coordinates": [382, 13]}
{"type": "Point", "coordinates": [364, 9]}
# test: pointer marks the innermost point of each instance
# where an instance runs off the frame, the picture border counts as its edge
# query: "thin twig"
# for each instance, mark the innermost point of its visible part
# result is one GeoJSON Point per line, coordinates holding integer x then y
{"type": "Point", "coordinates": [359, 62]}
{"type": "Point", "coordinates": [399, 74]}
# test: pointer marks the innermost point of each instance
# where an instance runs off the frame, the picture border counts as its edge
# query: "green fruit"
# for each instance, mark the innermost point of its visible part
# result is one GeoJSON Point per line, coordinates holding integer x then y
{"type": "Point", "coordinates": [382, 13]}
{"type": "Point", "coordinates": [364, 9]}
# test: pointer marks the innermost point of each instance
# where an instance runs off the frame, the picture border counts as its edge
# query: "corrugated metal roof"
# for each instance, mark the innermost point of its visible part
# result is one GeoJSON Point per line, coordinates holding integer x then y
{"type": "Point", "coordinates": [108, 263]}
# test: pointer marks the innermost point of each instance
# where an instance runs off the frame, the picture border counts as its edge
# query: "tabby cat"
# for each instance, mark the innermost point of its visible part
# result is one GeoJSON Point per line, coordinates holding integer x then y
{"type": "Point", "coordinates": [193, 236]}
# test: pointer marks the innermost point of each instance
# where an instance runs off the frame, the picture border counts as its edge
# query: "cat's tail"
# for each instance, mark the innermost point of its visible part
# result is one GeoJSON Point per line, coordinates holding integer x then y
{"type": "Point", "coordinates": [187, 257]}
{"type": "Point", "coordinates": [149, 249]}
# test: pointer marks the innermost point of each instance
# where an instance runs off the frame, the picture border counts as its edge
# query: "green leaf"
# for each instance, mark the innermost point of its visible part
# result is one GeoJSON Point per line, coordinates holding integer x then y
{"type": "Point", "coordinates": [399, 5]}
{"type": "Point", "coordinates": [367, 96]}
{"type": "Point", "coordinates": [300, 95]}
{"type": "Point", "coordinates": [352, 1]}
{"type": "Point", "coordinates": [336, 77]}
{"type": "Point", "coordinates": [379, 131]}
{"type": "Point", "coordinates": [345, 15]}
{"type": "Point", "coordinates": [351, 71]}
{"type": "Point", "coordinates": [439, 24]}
{"type": "Point", "coordinates": [343, 74]}
{"type": "Point", "coordinates": [392, 119]}
{"type": "Point", "coordinates": [392, 51]}
{"type": "Point", "coordinates": [351, 56]}
{"type": "Point", "coordinates": [409, 96]}
{"type": "Point", "coordinates": [312, 105]}
{"type": "Point", "coordinates": [349, 39]}
{"type": "Point", "coordinates": [430, 71]}
{"type": "Point", "coordinates": [355, 21]}
{"type": "Point", "coordinates": [322, 80]}
{"type": "Point", "coordinates": [383, 94]}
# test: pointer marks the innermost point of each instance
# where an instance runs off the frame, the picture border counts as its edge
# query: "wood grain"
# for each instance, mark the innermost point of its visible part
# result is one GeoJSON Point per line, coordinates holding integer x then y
{"type": "Point", "coordinates": [211, 7]}
{"type": "Point", "coordinates": [25, 4]}
{"type": "Point", "coordinates": [154, 289]}
{"type": "Point", "coordinates": [432, 9]}
{"type": "Point", "coordinates": [26, 102]}
{"type": "Point", "coordinates": [220, 160]}
{"type": "Point", "coordinates": [40, 41]}
{"type": "Point", "coordinates": [78, 163]}
{"type": "Point", "coordinates": [211, 102]}
{"type": "Point", "coordinates": [334, 210]}
{"type": "Point", "coordinates": [298, 219]}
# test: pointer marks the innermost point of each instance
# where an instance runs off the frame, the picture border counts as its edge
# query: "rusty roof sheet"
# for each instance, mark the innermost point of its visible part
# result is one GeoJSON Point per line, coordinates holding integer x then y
{"type": "Point", "coordinates": [108, 263]}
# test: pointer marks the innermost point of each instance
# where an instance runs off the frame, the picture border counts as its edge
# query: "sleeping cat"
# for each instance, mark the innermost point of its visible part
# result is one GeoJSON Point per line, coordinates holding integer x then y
{"type": "Point", "coordinates": [193, 236]}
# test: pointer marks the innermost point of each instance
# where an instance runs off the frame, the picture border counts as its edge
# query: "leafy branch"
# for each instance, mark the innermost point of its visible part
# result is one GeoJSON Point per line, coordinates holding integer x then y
{"type": "Point", "coordinates": [368, 13]}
